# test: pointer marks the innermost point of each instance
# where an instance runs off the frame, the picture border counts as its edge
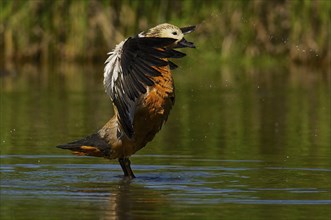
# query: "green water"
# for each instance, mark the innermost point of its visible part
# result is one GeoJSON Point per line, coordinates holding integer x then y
{"type": "Point", "coordinates": [239, 143]}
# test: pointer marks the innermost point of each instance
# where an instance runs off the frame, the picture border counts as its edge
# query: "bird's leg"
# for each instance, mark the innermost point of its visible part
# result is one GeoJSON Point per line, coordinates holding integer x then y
{"type": "Point", "coordinates": [126, 167]}
{"type": "Point", "coordinates": [122, 163]}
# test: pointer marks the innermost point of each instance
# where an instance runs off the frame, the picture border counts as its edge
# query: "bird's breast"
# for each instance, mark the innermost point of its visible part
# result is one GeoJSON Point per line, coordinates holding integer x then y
{"type": "Point", "coordinates": [154, 108]}
{"type": "Point", "coordinates": [151, 112]}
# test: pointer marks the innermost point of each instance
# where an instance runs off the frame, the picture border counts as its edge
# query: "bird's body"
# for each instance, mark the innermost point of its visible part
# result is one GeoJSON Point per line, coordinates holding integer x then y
{"type": "Point", "coordinates": [137, 77]}
{"type": "Point", "coordinates": [151, 111]}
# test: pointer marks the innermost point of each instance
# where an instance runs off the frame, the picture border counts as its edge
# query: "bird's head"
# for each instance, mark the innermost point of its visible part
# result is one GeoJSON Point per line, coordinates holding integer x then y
{"type": "Point", "coordinates": [171, 31]}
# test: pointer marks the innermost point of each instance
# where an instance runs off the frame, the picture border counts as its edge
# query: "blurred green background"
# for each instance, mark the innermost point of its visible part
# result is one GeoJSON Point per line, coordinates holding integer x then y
{"type": "Point", "coordinates": [295, 31]}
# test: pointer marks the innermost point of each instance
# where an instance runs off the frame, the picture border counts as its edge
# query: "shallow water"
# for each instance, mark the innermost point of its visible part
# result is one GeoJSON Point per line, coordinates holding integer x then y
{"type": "Point", "coordinates": [238, 143]}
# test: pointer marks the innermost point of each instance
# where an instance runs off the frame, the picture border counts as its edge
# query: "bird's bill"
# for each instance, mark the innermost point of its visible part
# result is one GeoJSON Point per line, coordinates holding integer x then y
{"type": "Point", "coordinates": [187, 30]}
{"type": "Point", "coordinates": [184, 43]}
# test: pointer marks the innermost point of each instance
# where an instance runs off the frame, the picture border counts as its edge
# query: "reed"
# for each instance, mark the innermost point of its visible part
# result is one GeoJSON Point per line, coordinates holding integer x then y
{"type": "Point", "coordinates": [46, 30]}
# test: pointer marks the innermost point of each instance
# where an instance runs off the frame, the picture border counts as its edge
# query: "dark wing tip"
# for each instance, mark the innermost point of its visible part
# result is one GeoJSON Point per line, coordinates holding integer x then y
{"type": "Point", "coordinates": [188, 29]}
{"type": "Point", "coordinates": [172, 65]}
{"type": "Point", "coordinates": [127, 128]}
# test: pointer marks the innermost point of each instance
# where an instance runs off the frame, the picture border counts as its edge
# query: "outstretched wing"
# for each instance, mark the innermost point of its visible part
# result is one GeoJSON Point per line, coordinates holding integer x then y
{"type": "Point", "coordinates": [130, 68]}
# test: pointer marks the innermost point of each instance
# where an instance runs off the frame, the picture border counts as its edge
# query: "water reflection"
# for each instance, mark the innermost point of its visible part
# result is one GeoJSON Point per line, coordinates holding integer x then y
{"type": "Point", "coordinates": [129, 200]}
{"type": "Point", "coordinates": [282, 111]}
{"type": "Point", "coordinates": [244, 141]}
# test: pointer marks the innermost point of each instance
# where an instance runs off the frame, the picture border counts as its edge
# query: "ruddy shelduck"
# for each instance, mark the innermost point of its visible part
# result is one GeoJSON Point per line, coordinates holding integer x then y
{"type": "Point", "coordinates": [138, 80]}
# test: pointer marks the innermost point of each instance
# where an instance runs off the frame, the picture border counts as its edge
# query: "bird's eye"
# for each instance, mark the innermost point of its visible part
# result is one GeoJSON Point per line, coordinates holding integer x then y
{"type": "Point", "coordinates": [174, 33]}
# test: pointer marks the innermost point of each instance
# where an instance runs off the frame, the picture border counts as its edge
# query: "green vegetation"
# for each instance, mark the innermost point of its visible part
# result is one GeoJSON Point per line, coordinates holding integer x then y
{"type": "Point", "coordinates": [46, 30]}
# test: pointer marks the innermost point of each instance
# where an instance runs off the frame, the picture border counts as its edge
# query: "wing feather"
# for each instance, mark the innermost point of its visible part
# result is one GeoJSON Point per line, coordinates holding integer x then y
{"type": "Point", "coordinates": [172, 65]}
{"type": "Point", "coordinates": [130, 69]}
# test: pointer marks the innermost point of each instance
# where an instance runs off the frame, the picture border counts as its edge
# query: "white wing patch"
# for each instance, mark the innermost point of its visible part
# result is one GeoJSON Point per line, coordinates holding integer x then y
{"type": "Point", "coordinates": [113, 69]}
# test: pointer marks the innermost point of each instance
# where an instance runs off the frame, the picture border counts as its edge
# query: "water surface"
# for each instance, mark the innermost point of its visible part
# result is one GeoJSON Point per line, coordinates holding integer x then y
{"type": "Point", "coordinates": [239, 142]}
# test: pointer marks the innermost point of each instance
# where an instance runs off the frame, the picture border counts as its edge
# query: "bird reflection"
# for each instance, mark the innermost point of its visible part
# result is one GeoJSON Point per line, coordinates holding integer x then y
{"type": "Point", "coordinates": [133, 201]}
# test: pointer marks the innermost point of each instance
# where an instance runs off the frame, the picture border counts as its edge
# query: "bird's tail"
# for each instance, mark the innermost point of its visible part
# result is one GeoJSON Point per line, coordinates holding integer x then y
{"type": "Point", "coordinates": [93, 145]}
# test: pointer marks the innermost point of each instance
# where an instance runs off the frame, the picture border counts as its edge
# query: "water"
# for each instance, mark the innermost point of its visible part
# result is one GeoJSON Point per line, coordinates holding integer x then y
{"type": "Point", "coordinates": [238, 143]}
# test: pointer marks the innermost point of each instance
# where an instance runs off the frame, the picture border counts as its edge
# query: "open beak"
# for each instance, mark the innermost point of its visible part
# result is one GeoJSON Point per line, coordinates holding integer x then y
{"type": "Point", "coordinates": [184, 43]}
{"type": "Point", "coordinates": [187, 30]}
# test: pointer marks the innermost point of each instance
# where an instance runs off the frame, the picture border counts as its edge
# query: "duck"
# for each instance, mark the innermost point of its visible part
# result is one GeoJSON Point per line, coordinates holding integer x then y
{"type": "Point", "coordinates": [138, 79]}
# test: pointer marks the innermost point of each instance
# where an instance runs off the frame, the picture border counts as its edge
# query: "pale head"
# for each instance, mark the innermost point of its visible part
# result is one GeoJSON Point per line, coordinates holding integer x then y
{"type": "Point", "coordinates": [165, 30]}
{"type": "Point", "coordinates": [171, 31]}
